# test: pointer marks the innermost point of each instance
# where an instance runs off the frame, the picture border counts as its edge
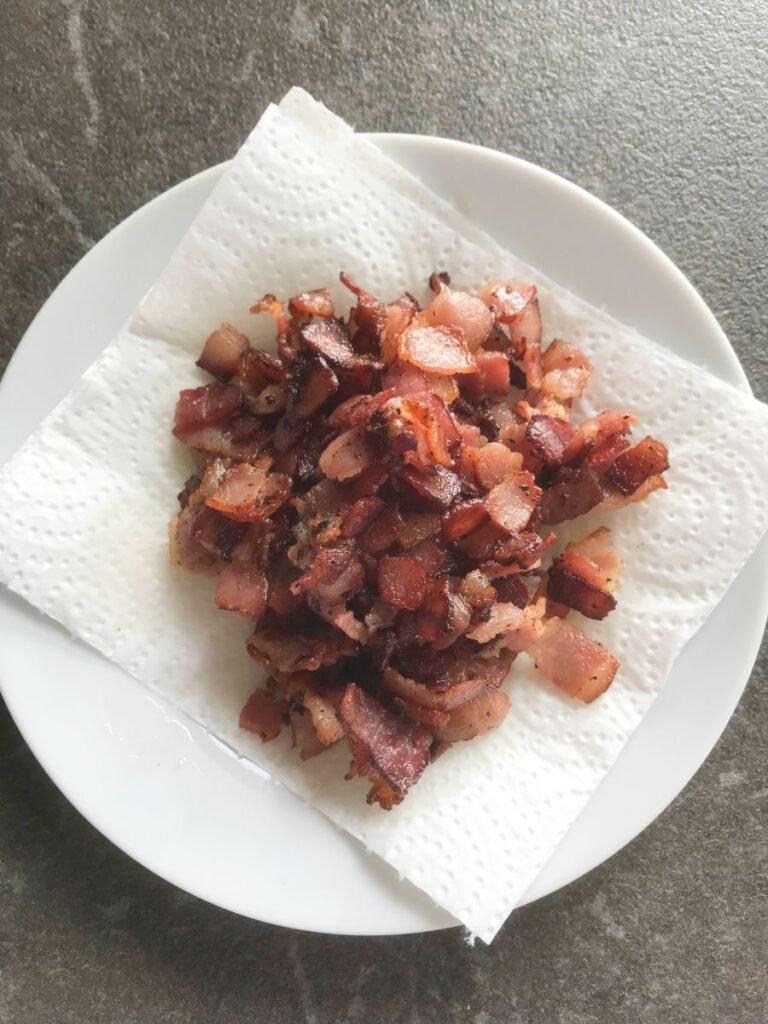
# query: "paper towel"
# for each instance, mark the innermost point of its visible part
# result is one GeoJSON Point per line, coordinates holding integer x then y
{"type": "Point", "coordinates": [84, 506]}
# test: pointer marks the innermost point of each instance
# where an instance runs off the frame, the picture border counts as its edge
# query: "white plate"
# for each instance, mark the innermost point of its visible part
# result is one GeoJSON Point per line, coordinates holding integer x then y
{"type": "Point", "coordinates": [176, 800]}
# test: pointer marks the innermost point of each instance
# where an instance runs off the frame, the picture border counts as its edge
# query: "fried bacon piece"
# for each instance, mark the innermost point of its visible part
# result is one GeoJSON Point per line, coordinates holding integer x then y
{"type": "Point", "coordinates": [249, 494]}
{"type": "Point", "coordinates": [425, 696]}
{"type": "Point", "coordinates": [316, 383]}
{"type": "Point", "coordinates": [493, 462]}
{"type": "Point", "coordinates": [377, 500]}
{"type": "Point", "coordinates": [402, 581]}
{"type": "Point", "coordinates": [317, 302]}
{"type": "Point", "coordinates": [579, 666]}
{"type": "Point", "coordinates": [389, 749]}
{"type": "Point", "coordinates": [347, 455]}
{"type": "Point", "coordinates": [573, 493]}
{"type": "Point", "coordinates": [440, 350]}
{"type": "Point", "coordinates": [586, 575]}
{"type": "Point", "coordinates": [566, 372]}
{"type": "Point", "coordinates": [368, 319]}
{"type": "Point", "coordinates": [256, 369]}
{"type": "Point", "coordinates": [205, 406]}
{"type": "Point", "coordinates": [517, 306]}
{"type": "Point", "coordinates": [264, 715]}
{"type": "Point", "coordinates": [282, 649]}
{"type": "Point", "coordinates": [475, 718]}
{"type": "Point", "coordinates": [462, 518]}
{"type": "Point", "coordinates": [437, 487]}
{"type": "Point", "coordinates": [334, 574]}
{"type": "Point", "coordinates": [274, 307]}
{"type": "Point", "coordinates": [548, 438]}
{"type": "Point", "coordinates": [512, 502]}
{"type": "Point", "coordinates": [244, 589]}
{"type": "Point", "coordinates": [634, 466]}
{"type": "Point", "coordinates": [329, 339]}
{"type": "Point", "coordinates": [222, 351]}
{"type": "Point", "coordinates": [320, 701]}
{"type": "Point", "coordinates": [592, 434]}
{"type": "Point", "coordinates": [457, 309]}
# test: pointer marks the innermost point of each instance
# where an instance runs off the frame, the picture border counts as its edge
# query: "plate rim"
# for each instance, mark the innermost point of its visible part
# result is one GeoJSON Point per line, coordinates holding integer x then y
{"type": "Point", "coordinates": [638, 236]}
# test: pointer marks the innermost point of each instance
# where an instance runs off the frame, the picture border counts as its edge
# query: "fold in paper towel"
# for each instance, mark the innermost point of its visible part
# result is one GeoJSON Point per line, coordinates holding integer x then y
{"type": "Point", "coordinates": [86, 501]}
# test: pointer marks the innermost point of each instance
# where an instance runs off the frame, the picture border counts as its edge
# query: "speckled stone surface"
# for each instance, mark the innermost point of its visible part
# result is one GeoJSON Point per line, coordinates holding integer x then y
{"type": "Point", "coordinates": [657, 107]}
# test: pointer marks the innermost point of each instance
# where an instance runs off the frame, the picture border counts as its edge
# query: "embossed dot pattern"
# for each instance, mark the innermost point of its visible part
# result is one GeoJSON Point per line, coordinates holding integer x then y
{"type": "Point", "coordinates": [86, 502]}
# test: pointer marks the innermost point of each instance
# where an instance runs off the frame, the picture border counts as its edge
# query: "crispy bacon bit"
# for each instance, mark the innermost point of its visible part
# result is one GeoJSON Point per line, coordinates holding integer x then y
{"type": "Point", "coordinates": [402, 581]}
{"type": "Point", "coordinates": [377, 499]}
{"type": "Point", "coordinates": [606, 567]}
{"type": "Point", "coordinates": [511, 503]}
{"type": "Point", "coordinates": [444, 388]}
{"type": "Point", "coordinates": [475, 718]}
{"type": "Point", "coordinates": [399, 317]}
{"type": "Point", "coordinates": [595, 432]}
{"type": "Point", "coordinates": [257, 369]}
{"type": "Point", "coordinates": [270, 400]}
{"type": "Point", "coordinates": [462, 518]}
{"type": "Point", "coordinates": [523, 550]}
{"type": "Point", "coordinates": [431, 555]}
{"type": "Point", "coordinates": [411, 428]}
{"type": "Point", "coordinates": [263, 714]}
{"type": "Point", "coordinates": [452, 308]}
{"type": "Point", "coordinates": [317, 383]}
{"type": "Point", "coordinates": [222, 351]}
{"type": "Point", "coordinates": [249, 494]}
{"type": "Point", "coordinates": [573, 493]}
{"type": "Point", "coordinates": [440, 350]}
{"type": "Point", "coordinates": [491, 379]}
{"type": "Point", "coordinates": [205, 406]}
{"type": "Point", "coordinates": [444, 699]}
{"type": "Point", "coordinates": [334, 574]}
{"type": "Point", "coordinates": [517, 306]}
{"type": "Point", "coordinates": [581, 667]}
{"type": "Point", "coordinates": [272, 305]}
{"type": "Point", "coordinates": [477, 591]}
{"type": "Point", "coordinates": [444, 614]}
{"type": "Point", "coordinates": [525, 335]}
{"type": "Point", "coordinates": [386, 748]}
{"type": "Point", "coordinates": [502, 618]}
{"type": "Point", "coordinates": [569, 584]}
{"type": "Point", "coordinates": [566, 371]}
{"type": "Point", "coordinates": [191, 485]}
{"type": "Point", "coordinates": [368, 320]}
{"type": "Point", "coordinates": [329, 339]}
{"type": "Point", "coordinates": [633, 467]}
{"type": "Point", "coordinates": [433, 718]}
{"type": "Point", "coordinates": [416, 527]}
{"type": "Point", "coordinates": [320, 701]}
{"type": "Point", "coordinates": [618, 500]}
{"type": "Point", "coordinates": [348, 455]}
{"type": "Point", "coordinates": [548, 439]}
{"type": "Point", "coordinates": [508, 298]}
{"type": "Point", "coordinates": [304, 735]}
{"type": "Point", "coordinates": [317, 302]}
{"type": "Point", "coordinates": [383, 531]}
{"type": "Point", "coordinates": [358, 517]}
{"type": "Point", "coordinates": [404, 379]}
{"type": "Point", "coordinates": [600, 458]}
{"type": "Point", "coordinates": [282, 649]}
{"type": "Point", "coordinates": [494, 461]}
{"type": "Point", "coordinates": [439, 487]}
{"type": "Point", "coordinates": [244, 589]}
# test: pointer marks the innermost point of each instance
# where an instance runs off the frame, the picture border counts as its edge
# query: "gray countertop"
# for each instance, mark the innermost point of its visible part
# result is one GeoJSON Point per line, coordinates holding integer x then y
{"type": "Point", "coordinates": [658, 107]}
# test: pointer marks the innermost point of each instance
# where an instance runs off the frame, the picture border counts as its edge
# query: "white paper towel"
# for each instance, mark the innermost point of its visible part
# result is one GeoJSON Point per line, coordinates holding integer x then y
{"type": "Point", "coordinates": [84, 506]}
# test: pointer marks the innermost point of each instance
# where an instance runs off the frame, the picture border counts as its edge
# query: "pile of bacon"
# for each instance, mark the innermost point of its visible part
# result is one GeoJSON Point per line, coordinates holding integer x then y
{"type": "Point", "coordinates": [378, 499]}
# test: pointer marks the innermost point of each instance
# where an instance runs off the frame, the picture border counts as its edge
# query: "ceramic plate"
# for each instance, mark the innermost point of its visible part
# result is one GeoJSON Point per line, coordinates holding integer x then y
{"type": "Point", "coordinates": [179, 802]}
